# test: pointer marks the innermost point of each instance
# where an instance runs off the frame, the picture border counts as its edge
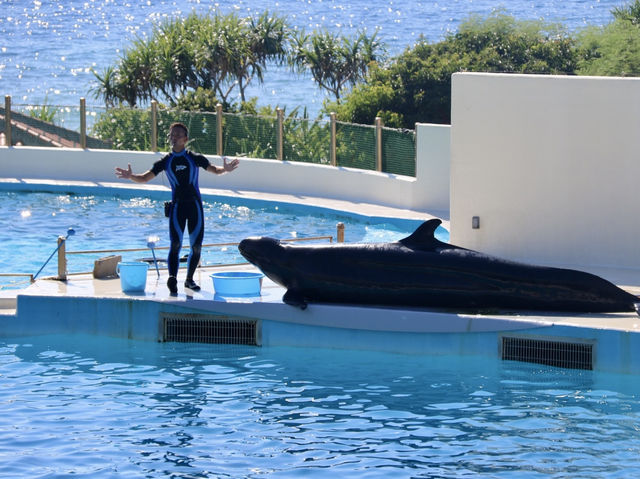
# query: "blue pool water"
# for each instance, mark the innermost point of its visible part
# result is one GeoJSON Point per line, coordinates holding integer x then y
{"type": "Point", "coordinates": [99, 407]}
{"type": "Point", "coordinates": [31, 223]}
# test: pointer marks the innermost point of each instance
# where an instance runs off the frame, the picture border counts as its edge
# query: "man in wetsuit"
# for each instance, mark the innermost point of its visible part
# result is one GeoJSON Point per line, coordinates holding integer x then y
{"type": "Point", "coordinates": [181, 167]}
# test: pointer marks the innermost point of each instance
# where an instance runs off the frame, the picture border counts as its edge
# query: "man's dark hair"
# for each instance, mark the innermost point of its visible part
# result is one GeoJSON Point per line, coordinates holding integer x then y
{"type": "Point", "coordinates": [177, 124]}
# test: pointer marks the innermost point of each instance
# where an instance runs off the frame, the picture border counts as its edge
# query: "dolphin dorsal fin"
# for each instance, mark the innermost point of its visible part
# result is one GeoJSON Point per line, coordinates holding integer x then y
{"type": "Point", "coordinates": [424, 236]}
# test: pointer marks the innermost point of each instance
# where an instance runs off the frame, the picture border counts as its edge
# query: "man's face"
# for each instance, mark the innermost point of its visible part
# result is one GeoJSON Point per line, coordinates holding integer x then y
{"type": "Point", "coordinates": [177, 138]}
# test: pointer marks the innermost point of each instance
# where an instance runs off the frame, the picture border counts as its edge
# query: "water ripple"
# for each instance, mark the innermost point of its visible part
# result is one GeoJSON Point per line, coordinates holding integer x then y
{"type": "Point", "coordinates": [32, 222]}
{"type": "Point", "coordinates": [99, 407]}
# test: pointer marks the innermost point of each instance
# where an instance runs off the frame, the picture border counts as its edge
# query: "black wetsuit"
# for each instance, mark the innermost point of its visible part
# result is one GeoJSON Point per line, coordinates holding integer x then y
{"type": "Point", "coordinates": [182, 172]}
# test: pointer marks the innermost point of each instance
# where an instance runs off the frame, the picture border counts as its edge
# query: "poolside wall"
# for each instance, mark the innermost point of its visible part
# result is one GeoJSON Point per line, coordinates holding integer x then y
{"type": "Point", "coordinates": [550, 165]}
{"type": "Point", "coordinates": [320, 326]}
{"type": "Point", "coordinates": [428, 192]}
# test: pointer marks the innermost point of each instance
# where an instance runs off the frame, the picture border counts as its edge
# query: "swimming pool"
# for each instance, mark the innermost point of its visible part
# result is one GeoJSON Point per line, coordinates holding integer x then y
{"type": "Point", "coordinates": [95, 406]}
{"type": "Point", "coordinates": [31, 223]}
{"type": "Point", "coordinates": [100, 407]}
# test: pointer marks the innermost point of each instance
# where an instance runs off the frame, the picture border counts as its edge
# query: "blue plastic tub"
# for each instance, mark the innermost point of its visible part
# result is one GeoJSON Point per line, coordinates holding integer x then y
{"type": "Point", "coordinates": [133, 276]}
{"type": "Point", "coordinates": [237, 283]}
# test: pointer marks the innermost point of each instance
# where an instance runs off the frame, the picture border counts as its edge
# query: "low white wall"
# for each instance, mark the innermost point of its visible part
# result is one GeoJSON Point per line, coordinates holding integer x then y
{"type": "Point", "coordinates": [550, 166]}
{"type": "Point", "coordinates": [254, 175]}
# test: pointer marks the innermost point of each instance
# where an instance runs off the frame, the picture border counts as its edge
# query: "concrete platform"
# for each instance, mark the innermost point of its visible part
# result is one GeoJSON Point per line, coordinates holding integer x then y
{"type": "Point", "coordinates": [84, 305]}
{"type": "Point", "coordinates": [84, 285]}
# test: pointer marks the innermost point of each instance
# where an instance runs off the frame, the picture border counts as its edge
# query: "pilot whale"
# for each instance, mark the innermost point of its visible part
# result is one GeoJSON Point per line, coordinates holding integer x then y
{"type": "Point", "coordinates": [421, 271]}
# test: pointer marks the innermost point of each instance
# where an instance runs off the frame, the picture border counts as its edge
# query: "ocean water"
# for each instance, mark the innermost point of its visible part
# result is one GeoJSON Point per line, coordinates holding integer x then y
{"type": "Point", "coordinates": [49, 47]}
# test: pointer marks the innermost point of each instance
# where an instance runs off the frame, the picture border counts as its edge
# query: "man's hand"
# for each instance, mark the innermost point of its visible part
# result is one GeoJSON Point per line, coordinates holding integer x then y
{"type": "Point", "coordinates": [232, 165]}
{"type": "Point", "coordinates": [124, 174]}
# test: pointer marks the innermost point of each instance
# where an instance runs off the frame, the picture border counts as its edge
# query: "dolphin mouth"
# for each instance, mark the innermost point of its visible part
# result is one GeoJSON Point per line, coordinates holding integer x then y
{"type": "Point", "coordinates": [258, 250]}
{"type": "Point", "coordinates": [245, 248]}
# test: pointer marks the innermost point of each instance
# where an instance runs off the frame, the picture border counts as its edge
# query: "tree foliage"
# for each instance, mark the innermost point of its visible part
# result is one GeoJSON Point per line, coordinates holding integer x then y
{"type": "Point", "coordinates": [223, 54]}
{"type": "Point", "coordinates": [218, 53]}
{"type": "Point", "coordinates": [628, 13]}
{"type": "Point", "coordinates": [335, 61]}
{"type": "Point", "coordinates": [614, 49]}
{"type": "Point", "coordinates": [416, 85]}
{"type": "Point", "coordinates": [196, 62]}
{"type": "Point", "coordinates": [44, 112]}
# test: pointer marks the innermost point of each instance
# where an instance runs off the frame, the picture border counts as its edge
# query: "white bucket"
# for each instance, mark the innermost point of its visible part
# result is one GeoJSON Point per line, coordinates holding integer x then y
{"type": "Point", "coordinates": [133, 276]}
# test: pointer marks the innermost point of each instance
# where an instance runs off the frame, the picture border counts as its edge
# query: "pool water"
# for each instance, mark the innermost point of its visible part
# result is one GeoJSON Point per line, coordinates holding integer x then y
{"type": "Point", "coordinates": [31, 223]}
{"type": "Point", "coordinates": [99, 407]}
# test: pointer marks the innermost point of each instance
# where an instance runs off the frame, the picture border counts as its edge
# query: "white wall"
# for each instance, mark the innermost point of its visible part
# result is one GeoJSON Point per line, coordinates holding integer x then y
{"type": "Point", "coordinates": [433, 150]}
{"type": "Point", "coordinates": [551, 165]}
{"type": "Point", "coordinates": [254, 175]}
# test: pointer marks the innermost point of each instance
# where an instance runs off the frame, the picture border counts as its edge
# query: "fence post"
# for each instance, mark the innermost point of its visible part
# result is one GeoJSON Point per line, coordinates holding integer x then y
{"type": "Point", "coordinates": [219, 129]}
{"type": "Point", "coordinates": [332, 151]}
{"type": "Point", "coordinates": [415, 149]}
{"type": "Point", "coordinates": [154, 125]}
{"type": "Point", "coordinates": [378, 143]}
{"type": "Point", "coordinates": [280, 134]}
{"type": "Point", "coordinates": [7, 120]}
{"type": "Point", "coordinates": [340, 232]}
{"type": "Point", "coordinates": [83, 123]}
{"type": "Point", "coordinates": [62, 258]}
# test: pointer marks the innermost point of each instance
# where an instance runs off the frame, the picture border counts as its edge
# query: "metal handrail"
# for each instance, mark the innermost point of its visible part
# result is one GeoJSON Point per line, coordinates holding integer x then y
{"type": "Point", "coordinates": [29, 275]}
{"type": "Point", "coordinates": [14, 275]}
{"type": "Point", "coordinates": [340, 229]}
{"type": "Point", "coordinates": [133, 250]}
{"type": "Point", "coordinates": [130, 250]}
{"type": "Point", "coordinates": [62, 261]}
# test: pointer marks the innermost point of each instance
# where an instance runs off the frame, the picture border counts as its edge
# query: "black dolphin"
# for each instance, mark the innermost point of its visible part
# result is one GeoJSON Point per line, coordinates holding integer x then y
{"type": "Point", "coordinates": [421, 271]}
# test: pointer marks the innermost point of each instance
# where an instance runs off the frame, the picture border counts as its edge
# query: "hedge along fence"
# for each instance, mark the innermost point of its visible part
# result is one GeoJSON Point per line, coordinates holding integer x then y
{"type": "Point", "coordinates": [327, 142]}
{"type": "Point", "coordinates": [278, 138]}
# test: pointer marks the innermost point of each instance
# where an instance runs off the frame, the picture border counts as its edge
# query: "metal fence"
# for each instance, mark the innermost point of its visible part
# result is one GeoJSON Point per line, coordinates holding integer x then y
{"type": "Point", "coordinates": [330, 142]}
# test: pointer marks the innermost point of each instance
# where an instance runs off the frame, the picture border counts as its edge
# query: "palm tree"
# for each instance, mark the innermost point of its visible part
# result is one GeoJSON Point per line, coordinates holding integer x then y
{"type": "Point", "coordinates": [221, 52]}
{"type": "Point", "coordinates": [335, 61]}
{"type": "Point", "coordinates": [173, 71]}
{"type": "Point", "coordinates": [267, 42]}
{"type": "Point", "coordinates": [107, 87]}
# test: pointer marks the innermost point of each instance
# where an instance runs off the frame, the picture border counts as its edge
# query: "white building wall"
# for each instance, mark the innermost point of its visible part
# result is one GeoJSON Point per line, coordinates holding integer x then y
{"type": "Point", "coordinates": [433, 150]}
{"type": "Point", "coordinates": [550, 165]}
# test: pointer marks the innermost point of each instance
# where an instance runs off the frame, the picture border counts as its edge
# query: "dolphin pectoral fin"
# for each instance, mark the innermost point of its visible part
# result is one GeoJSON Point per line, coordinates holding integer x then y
{"type": "Point", "coordinates": [293, 298]}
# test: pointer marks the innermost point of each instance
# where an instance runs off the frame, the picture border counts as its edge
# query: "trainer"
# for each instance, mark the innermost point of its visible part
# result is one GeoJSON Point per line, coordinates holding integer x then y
{"type": "Point", "coordinates": [182, 167]}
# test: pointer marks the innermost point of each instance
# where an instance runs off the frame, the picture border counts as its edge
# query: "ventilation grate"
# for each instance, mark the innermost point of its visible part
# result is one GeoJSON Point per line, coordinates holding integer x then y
{"type": "Point", "coordinates": [209, 328]}
{"type": "Point", "coordinates": [558, 353]}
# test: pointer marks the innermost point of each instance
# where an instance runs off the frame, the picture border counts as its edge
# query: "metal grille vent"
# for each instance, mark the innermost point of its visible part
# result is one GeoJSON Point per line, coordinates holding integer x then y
{"type": "Point", "coordinates": [562, 354]}
{"type": "Point", "coordinates": [209, 328]}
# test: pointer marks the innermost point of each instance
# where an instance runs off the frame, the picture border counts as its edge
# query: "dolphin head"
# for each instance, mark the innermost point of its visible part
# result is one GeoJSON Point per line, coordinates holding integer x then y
{"type": "Point", "coordinates": [261, 251]}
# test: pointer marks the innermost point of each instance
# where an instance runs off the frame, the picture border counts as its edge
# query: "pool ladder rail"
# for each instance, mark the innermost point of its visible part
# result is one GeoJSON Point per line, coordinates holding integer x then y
{"type": "Point", "coordinates": [62, 254]}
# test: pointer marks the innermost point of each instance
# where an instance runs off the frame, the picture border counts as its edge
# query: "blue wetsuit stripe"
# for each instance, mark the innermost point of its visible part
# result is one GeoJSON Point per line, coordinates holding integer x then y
{"type": "Point", "coordinates": [195, 239]}
{"type": "Point", "coordinates": [198, 230]}
{"type": "Point", "coordinates": [175, 235]}
{"type": "Point", "coordinates": [171, 176]}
